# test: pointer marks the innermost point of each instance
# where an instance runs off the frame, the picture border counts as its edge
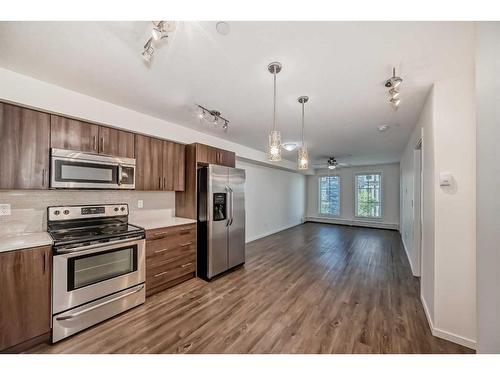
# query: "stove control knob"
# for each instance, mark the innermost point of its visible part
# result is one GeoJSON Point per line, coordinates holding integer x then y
{"type": "Point", "coordinates": [66, 212]}
{"type": "Point", "coordinates": [122, 208]}
{"type": "Point", "coordinates": [57, 212]}
{"type": "Point", "coordinates": [116, 208]}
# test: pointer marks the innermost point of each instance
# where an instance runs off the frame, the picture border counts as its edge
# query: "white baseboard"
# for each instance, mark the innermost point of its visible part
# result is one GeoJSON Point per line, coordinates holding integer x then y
{"type": "Point", "coordinates": [408, 256]}
{"type": "Point", "coordinates": [442, 334]}
{"type": "Point", "coordinates": [354, 222]}
{"type": "Point", "coordinates": [262, 235]}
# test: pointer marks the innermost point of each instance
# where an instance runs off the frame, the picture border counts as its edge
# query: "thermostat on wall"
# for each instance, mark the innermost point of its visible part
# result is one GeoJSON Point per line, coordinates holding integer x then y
{"type": "Point", "coordinates": [445, 179]}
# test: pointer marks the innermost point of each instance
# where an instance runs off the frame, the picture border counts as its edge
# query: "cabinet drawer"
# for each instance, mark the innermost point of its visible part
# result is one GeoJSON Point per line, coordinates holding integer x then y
{"type": "Point", "coordinates": [188, 231]}
{"type": "Point", "coordinates": [165, 274]}
{"type": "Point", "coordinates": [159, 251]}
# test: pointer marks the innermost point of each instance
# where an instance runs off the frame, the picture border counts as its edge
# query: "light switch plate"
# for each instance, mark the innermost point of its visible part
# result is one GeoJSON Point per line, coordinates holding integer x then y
{"type": "Point", "coordinates": [140, 203]}
{"type": "Point", "coordinates": [4, 209]}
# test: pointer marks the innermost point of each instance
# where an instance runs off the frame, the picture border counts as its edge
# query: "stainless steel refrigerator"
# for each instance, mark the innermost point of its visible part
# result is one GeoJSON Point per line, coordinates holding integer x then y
{"type": "Point", "coordinates": [221, 219]}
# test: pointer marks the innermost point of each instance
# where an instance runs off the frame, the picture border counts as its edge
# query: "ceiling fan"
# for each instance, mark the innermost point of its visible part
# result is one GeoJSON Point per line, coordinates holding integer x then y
{"type": "Point", "coordinates": [331, 163]}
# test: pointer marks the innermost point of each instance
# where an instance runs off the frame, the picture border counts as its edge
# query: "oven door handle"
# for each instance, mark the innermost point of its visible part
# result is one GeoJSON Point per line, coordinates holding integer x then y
{"type": "Point", "coordinates": [71, 316]}
{"type": "Point", "coordinates": [98, 246]}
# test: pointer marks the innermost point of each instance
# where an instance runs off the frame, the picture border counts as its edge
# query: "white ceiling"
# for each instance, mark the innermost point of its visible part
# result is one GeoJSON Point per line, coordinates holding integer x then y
{"type": "Point", "coordinates": [341, 66]}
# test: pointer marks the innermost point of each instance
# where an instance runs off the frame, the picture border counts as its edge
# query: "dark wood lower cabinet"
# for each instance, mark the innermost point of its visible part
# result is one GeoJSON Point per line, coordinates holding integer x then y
{"type": "Point", "coordinates": [25, 277]}
{"type": "Point", "coordinates": [170, 257]}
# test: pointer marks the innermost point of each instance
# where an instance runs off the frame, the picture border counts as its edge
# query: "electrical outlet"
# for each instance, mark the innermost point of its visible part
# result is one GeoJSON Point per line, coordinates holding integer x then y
{"type": "Point", "coordinates": [4, 209]}
{"type": "Point", "coordinates": [140, 203]}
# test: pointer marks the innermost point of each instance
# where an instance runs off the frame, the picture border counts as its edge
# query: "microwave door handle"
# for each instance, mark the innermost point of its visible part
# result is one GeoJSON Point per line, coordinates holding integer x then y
{"type": "Point", "coordinates": [119, 174]}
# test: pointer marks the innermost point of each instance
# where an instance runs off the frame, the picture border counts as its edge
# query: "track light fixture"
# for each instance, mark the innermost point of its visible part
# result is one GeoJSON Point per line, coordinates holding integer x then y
{"type": "Point", "coordinates": [394, 85]}
{"type": "Point", "coordinates": [212, 116]}
{"type": "Point", "coordinates": [159, 32]}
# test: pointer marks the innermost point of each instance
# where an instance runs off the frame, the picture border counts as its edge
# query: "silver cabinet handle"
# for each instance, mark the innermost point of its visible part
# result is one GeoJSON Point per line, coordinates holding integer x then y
{"type": "Point", "coordinates": [187, 264]}
{"type": "Point", "coordinates": [161, 250]}
{"type": "Point", "coordinates": [186, 244]}
{"type": "Point", "coordinates": [161, 274]}
{"type": "Point", "coordinates": [94, 146]}
{"type": "Point", "coordinates": [71, 316]}
{"type": "Point", "coordinates": [43, 177]}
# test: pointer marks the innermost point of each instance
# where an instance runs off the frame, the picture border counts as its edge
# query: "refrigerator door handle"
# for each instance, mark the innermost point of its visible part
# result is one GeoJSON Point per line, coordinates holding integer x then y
{"type": "Point", "coordinates": [228, 193]}
{"type": "Point", "coordinates": [232, 206]}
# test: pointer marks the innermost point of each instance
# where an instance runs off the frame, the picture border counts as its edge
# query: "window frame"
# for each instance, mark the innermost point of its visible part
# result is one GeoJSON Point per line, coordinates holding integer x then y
{"type": "Point", "coordinates": [319, 176]}
{"type": "Point", "coordinates": [355, 184]}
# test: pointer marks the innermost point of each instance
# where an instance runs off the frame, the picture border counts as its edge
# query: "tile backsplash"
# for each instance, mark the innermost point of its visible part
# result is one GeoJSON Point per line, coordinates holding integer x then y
{"type": "Point", "coordinates": [29, 207]}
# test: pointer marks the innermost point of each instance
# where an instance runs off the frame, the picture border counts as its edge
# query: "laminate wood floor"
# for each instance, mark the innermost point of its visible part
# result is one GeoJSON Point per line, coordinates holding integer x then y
{"type": "Point", "coordinates": [314, 288]}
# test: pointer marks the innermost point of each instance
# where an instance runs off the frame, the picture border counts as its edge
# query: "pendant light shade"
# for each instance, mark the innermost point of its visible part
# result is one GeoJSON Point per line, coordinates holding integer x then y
{"type": "Point", "coordinates": [303, 157]}
{"type": "Point", "coordinates": [274, 138]}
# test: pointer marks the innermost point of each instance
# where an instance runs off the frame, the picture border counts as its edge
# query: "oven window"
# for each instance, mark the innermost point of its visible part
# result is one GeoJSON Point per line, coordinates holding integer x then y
{"type": "Point", "coordinates": [85, 172]}
{"type": "Point", "coordinates": [93, 268]}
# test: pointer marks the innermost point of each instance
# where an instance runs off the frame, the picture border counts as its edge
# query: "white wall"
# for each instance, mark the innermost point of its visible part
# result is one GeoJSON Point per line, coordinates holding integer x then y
{"type": "Point", "coordinates": [488, 185]}
{"type": "Point", "coordinates": [448, 250]}
{"type": "Point", "coordinates": [274, 199]}
{"type": "Point", "coordinates": [424, 129]}
{"type": "Point", "coordinates": [390, 196]}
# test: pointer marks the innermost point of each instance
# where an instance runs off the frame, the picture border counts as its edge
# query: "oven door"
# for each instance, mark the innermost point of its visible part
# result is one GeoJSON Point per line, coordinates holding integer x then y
{"type": "Point", "coordinates": [85, 274]}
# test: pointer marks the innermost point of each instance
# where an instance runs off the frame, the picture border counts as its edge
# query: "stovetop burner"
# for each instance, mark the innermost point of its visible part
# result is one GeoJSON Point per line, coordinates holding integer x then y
{"type": "Point", "coordinates": [81, 225]}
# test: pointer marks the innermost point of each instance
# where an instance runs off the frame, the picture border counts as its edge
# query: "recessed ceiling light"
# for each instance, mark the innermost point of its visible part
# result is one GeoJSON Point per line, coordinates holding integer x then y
{"type": "Point", "coordinates": [290, 146]}
{"type": "Point", "coordinates": [383, 128]}
{"type": "Point", "coordinates": [222, 28]}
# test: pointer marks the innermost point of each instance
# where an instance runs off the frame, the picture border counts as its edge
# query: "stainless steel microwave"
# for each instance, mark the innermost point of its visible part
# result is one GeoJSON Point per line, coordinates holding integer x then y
{"type": "Point", "coordinates": [71, 169]}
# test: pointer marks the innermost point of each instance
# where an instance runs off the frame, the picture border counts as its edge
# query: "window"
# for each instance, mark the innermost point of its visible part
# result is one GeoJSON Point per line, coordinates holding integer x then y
{"type": "Point", "coordinates": [368, 190]}
{"type": "Point", "coordinates": [329, 195]}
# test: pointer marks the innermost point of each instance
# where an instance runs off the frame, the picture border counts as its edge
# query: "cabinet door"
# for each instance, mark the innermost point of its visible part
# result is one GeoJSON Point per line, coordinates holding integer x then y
{"type": "Point", "coordinates": [24, 148]}
{"type": "Point", "coordinates": [173, 166]}
{"type": "Point", "coordinates": [201, 153]}
{"type": "Point", "coordinates": [212, 155]}
{"type": "Point", "coordinates": [179, 167]}
{"type": "Point", "coordinates": [227, 158]}
{"type": "Point", "coordinates": [149, 174]}
{"type": "Point", "coordinates": [116, 142]}
{"type": "Point", "coordinates": [24, 294]}
{"type": "Point", "coordinates": [168, 165]}
{"type": "Point", "coordinates": [73, 135]}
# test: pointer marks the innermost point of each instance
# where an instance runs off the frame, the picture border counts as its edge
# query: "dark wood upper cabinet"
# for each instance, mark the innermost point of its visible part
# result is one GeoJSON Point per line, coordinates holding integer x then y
{"type": "Point", "coordinates": [73, 134]}
{"type": "Point", "coordinates": [212, 155]}
{"type": "Point", "coordinates": [25, 295]}
{"type": "Point", "coordinates": [149, 173]}
{"type": "Point", "coordinates": [179, 167]}
{"type": "Point", "coordinates": [24, 148]}
{"type": "Point", "coordinates": [116, 142]}
{"type": "Point", "coordinates": [227, 158]}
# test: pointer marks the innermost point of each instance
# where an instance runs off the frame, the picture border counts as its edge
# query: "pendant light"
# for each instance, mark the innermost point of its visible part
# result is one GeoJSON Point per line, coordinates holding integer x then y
{"type": "Point", "coordinates": [303, 158]}
{"type": "Point", "coordinates": [274, 138]}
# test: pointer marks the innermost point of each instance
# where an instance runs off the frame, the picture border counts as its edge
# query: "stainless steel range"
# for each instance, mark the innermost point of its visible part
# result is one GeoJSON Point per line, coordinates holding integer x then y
{"type": "Point", "coordinates": [98, 265]}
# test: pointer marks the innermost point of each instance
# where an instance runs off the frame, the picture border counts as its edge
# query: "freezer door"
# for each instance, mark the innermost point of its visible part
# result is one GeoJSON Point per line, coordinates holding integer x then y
{"type": "Point", "coordinates": [218, 219]}
{"type": "Point", "coordinates": [236, 239]}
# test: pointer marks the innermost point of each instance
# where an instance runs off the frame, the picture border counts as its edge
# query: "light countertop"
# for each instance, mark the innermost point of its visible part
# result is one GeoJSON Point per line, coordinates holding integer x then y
{"type": "Point", "coordinates": [24, 241]}
{"type": "Point", "coordinates": [153, 219]}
